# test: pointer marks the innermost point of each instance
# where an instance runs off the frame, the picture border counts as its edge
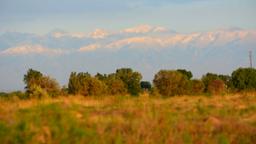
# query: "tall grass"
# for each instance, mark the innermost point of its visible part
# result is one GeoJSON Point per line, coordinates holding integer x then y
{"type": "Point", "coordinates": [124, 119]}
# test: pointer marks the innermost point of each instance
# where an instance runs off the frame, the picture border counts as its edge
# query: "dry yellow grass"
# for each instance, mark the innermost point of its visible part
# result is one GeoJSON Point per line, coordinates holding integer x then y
{"type": "Point", "coordinates": [124, 119]}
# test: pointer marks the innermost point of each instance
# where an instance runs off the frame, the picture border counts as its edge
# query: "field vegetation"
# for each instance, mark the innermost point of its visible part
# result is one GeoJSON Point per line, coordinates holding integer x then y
{"type": "Point", "coordinates": [120, 108]}
{"type": "Point", "coordinates": [220, 119]}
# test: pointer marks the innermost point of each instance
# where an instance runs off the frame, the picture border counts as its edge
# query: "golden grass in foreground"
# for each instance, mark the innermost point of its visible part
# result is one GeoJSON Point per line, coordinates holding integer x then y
{"type": "Point", "coordinates": [123, 119]}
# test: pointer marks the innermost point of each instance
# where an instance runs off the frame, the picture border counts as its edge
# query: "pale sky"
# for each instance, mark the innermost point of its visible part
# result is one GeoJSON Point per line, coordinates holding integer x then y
{"type": "Point", "coordinates": [42, 16]}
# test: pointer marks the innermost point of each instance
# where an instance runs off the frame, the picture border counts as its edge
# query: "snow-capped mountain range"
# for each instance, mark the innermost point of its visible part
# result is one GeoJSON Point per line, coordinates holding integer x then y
{"type": "Point", "coordinates": [144, 48]}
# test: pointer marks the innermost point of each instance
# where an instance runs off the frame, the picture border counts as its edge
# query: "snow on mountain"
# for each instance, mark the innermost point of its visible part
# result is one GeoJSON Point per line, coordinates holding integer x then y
{"type": "Point", "coordinates": [145, 48]}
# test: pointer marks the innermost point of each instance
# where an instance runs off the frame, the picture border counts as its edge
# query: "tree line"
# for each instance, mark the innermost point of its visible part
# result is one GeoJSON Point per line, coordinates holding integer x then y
{"type": "Point", "coordinates": [125, 81]}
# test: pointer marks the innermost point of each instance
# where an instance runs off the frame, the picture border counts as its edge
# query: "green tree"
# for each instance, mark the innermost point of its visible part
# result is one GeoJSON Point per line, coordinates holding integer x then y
{"type": "Point", "coordinates": [84, 84]}
{"type": "Point", "coordinates": [33, 77]}
{"type": "Point", "coordinates": [131, 79]}
{"type": "Point", "coordinates": [79, 83]}
{"type": "Point", "coordinates": [115, 85]}
{"type": "Point", "coordinates": [96, 87]}
{"type": "Point", "coordinates": [170, 83]}
{"type": "Point", "coordinates": [188, 74]}
{"type": "Point", "coordinates": [36, 83]}
{"type": "Point", "coordinates": [101, 77]}
{"type": "Point", "coordinates": [244, 79]}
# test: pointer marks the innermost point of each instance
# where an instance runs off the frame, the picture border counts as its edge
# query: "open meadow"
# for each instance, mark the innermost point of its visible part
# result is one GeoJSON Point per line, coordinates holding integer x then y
{"type": "Point", "coordinates": [202, 119]}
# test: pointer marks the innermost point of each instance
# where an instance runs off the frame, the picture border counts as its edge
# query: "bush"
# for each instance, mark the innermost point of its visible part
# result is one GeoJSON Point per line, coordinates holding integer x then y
{"type": "Point", "coordinates": [115, 85]}
{"type": "Point", "coordinates": [145, 85]}
{"type": "Point", "coordinates": [206, 79]}
{"type": "Point", "coordinates": [227, 80]}
{"type": "Point", "coordinates": [170, 83]}
{"type": "Point", "coordinates": [216, 87]}
{"type": "Point", "coordinates": [197, 87]}
{"type": "Point", "coordinates": [51, 86]}
{"type": "Point", "coordinates": [96, 87]}
{"type": "Point", "coordinates": [244, 79]}
{"type": "Point", "coordinates": [19, 94]}
{"type": "Point", "coordinates": [14, 94]}
{"type": "Point", "coordinates": [3, 94]}
{"type": "Point", "coordinates": [37, 92]}
{"type": "Point", "coordinates": [64, 91]}
{"type": "Point", "coordinates": [84, 84]}
{"type": "Point", "coordinates": [154, 92]}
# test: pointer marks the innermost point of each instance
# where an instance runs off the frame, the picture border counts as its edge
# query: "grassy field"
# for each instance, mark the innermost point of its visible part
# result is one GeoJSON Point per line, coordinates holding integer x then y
{"type": "Point", "coordinates": [123, 119]}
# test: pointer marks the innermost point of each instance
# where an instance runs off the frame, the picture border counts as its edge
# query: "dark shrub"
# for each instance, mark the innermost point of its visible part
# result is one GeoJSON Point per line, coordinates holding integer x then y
{"type": "Point", "coordinates": [206, 79]}
{"type": "Point", "coordinates": [197, 87]}
{"type": "Point", "coordinates": [145, 85]}
{"type": "Point", "coordinates": [115, 85]}
{"type": "Point", "coordinates": [216, 87]}
{"type": "Point", "coordinates": [170, 83]}
{"type": "Point", "coordinates": [96, 87]}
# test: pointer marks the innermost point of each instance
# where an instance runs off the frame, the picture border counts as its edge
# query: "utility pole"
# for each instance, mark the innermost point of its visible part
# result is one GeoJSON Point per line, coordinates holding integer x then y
{"type": "Point", "coordinates": [250, 58]}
